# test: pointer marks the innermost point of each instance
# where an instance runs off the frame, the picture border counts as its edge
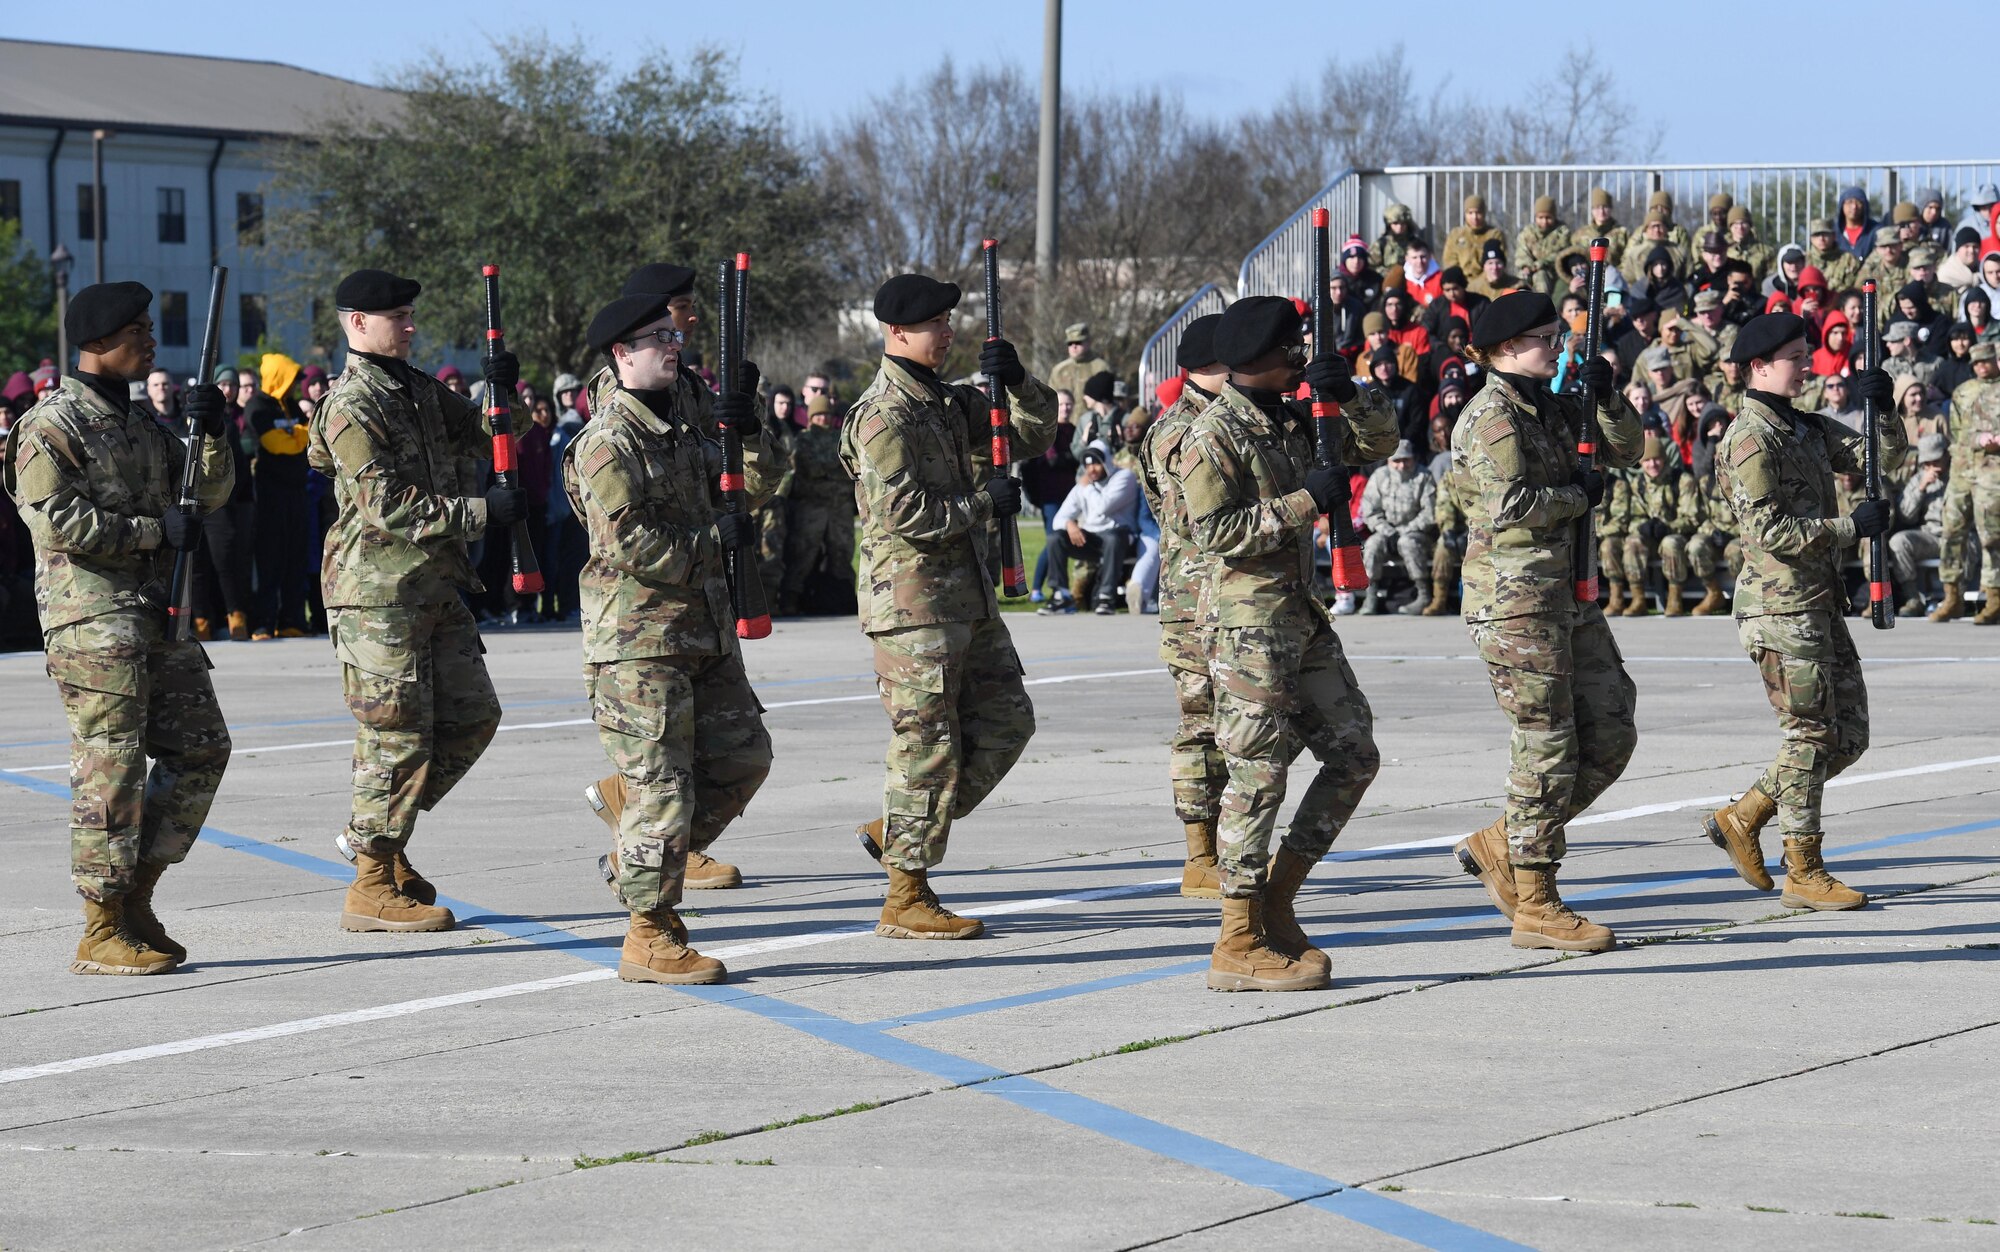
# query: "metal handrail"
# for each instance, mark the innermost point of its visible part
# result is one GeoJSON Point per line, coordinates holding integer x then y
{"type": "Point", "coordinates": [1248, 275]}
{"type": "Point", "coordinates": [1156, 359]}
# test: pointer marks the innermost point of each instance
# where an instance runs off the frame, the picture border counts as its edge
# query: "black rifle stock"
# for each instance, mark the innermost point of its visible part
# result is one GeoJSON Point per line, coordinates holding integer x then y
{"type": "Point", "coordinates": [500, 424]}
{"type": "Point", "coordinates": [180, 590]}
{"type": "Point", "coordinates": [1349, 574]}
{"type": "Point", "coordinates": [1013, 569]}
{"type": "Point", "coordinates": [1881, 601]}
{"type": "Point", "coordinates": [1584, 558]}
{"type": "Point", "coordinates": [746, 588]}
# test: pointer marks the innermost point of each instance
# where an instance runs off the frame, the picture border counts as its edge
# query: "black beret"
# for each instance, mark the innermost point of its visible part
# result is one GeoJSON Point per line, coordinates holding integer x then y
{"type": "Point", "coordinates": [1452, 274]}
{"type": "Point", "coordinates": [1198, 343]}
{"type": "Point", "coordinates": [1503, 318]}
{"type": "Point", "coordinates": [371, 291]}
{"type": "Point", "coordinates": [660, 279]}
{"type": "Point", "coordinates": [105, 309]}
{"type": "Point", "coordinates": [1763, 335]}
{"type": "Point", "coordinates": [1099, 387]}
{"type": "Point", "coordinates": [622, 316]}
{"type": "Point", "coordinates": [1253, 326]}
{"type": "Point", "coordinates": [908, 299]}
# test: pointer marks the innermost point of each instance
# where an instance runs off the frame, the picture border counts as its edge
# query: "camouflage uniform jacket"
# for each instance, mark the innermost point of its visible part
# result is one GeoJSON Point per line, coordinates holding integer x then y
{"type": "Point", "coordinates": [1671, 498]}
{"type": "Point", "coordinates": [1922, 507]}
{"type": "Point", "coordinates": [647, 487]}
{"type": "Point", "coordinates": [1519, 449]}
{"type": "Point", "coordinates": [92, 479]}
{"type": "Point", "coordinates": [1185, 570]}
{"type": "Point", "coordinates": [818, 477]}
{"type": "Point", "coordinates": [1070, 376]}
{"type": "Point", "coordinates": [1387, 252]}
{"type": "Point", "coordinates": [1975, 411]}
{"type": "Point", "coordinates": [920, 453]}
{"type": "Point", "coordinates": [1889, 276]}
{"type": "Point", "coordinates": [1454, 500]}
{"type": "Point", "coordinates": [1632, 261]}
{"type": "Point", "coordinates": [1614, 511]}
{"type": "Point", "coordinates": [1718, 515]}
{"type": "Point", "coordinates": [1393, 501]}
{"type": "Point", "coordinates": [1536, 250]}
{"type": "Point", "coordinates": [1244, 471]}
{"type": "Point", "coordinates": [1466, 247]}
{"type": "Point", "coordinates": [1615, 235]}
{"type": "Point", "coordinates": [1756, 254]}
{"type": "Point", "coordinates": [1779, 473]}
{"type": "Point", "coordinates": [1840, 269]}
{"type": "Point", "coordinates": [781, 439]}
{"type": "Point", "coordinates": [694, 407]}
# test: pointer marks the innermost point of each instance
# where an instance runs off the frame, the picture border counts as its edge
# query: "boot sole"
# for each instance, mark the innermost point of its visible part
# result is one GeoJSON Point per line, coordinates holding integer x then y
{"type": "Point", "coordinates": [1565, 945]}
{"type": "Point", "coordinates": [887, 931]}
{"type": "Point", "coordinates": [126, 971]}
{"type": "Point", "coordinates": [722, 883]}
{"type": "Point", "coordinates": [368, 925]}
{"type": "Point", "coordinates": [628, 972]}
{"type": "Point", "coordinates": [1791, 901]}
{"type": "Point", "coordinates": [1201, 893]}
{"type": "Point", "coordinates": [1715, 836]}
{"type": "Point", "coordinates": [1222, 980]}
{"type": "Point", "coordinates": [1470, 864]}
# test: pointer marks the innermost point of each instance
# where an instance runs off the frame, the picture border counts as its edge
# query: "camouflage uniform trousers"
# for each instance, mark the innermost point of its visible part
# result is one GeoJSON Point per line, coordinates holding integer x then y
{"type": "Point", "coordinates": [687, 735]}
{"type": "Point", "coordinates": [1908, 550]}
{"type": "Point", "coordinates": [1958, 551]}
{"type": "Point", "coordinates": [771, 535]}
{"type": "Point", "coordinates": [1448, 555]}
{"type": "Point", "coordinates": [960, 718]}
{"type": "Point", "coordinates": [1986, 517]}
{"type": "Point", "coordinates": [1194, 765]}
{"type": "Point", "coordinates": [820, 532]}
{"type": "Point", "coordinates": [131, 695]}
{"type": "Point", "coordinates": [1562, 682]}
{"type": "Point", "coordinates": [416, 683]}
{"type": "Point", "coordinates": [1710, 551]}
{"type": "Point", "coordinates": [1812, 675]}
{"type": "Point", "coordinates": [1280, 690]}
{"type": "Point", "coordinates": [1611, 556]}
{"type": "Point", "coordinates": [1412, 544]}
{"type": "Point", "coordinates": [1639, 553]}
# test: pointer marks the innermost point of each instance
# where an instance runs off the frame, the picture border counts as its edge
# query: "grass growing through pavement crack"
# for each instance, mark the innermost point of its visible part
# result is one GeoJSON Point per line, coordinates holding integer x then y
{"type": "Point", "coordinates": [1143, 1044]}
{"type": "Point", "coordinates": [804, 1118]}
{"type": "Point", "coordinates": [1675, 1204]}
{"type": "Point", "coordinates": [1762, 1208]}
{"type": "Point", "coordinates": [1390, 1186]}
{"type": "Point", "coordinates": [1877, 1216]}
{"type": "Point", "coordinates": [492, 1186]}
{"type": "Point", "coordinates": [592, 1162]}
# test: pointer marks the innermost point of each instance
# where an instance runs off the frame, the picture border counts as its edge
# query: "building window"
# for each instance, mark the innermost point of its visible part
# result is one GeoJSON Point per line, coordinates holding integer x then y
{"type": "Point", "coordinates": [10, 199]}
{"type": "Point", "coordinates": [173, 319]}
{"type": "Point", "coordinates": [86, 217]}
{"type": "Point", "coordinates": [250, 317]}
{"type": "Point", "coordinates": [249, 218]}
{"type": "Point", "coordinates": [173, 215]}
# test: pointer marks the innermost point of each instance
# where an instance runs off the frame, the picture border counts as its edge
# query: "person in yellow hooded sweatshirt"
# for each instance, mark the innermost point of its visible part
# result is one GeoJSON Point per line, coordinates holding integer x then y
{"type": "Point", "coordinates": [284, 523]}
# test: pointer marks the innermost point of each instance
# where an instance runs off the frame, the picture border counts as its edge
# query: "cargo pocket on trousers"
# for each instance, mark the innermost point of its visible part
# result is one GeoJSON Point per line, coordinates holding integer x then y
{"type": "Point", "coordinates": [615, 704]}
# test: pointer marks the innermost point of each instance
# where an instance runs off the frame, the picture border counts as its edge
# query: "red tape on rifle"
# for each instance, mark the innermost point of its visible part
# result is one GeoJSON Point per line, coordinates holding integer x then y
{"type": "Point", "coordinates": [503, 450]}
{"type": "Point", "coordinates": [731, 482]}
{"type": "Point", "coordinates": [1878, 591]}
{"type": "Point", "coordinates": [1349, 574]}
{"type": "Point", "coordinates": [753, 627]}
{"type": "Point", "coordinates": [1586, 590]}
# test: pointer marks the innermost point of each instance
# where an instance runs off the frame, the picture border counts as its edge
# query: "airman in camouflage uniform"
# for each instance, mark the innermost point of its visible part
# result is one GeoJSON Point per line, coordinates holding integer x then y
{"type": "Point", "coordinates": [1448, 554]}
{"type": "Point", "coordinates": [1778, 465]}
{"type": "Point", "coordinates": [1195, 765]}
{"type": "Point", "coordinates": [1602, 225]}
{"type": "Point", "coordinates": [1465, 246]}
{"type": "Point", "coordinates": [1979, 419]}
{"type": "Point", "coordinates": [403, 453]}
{"type": "Point", "coordinates": [1079, 366]}
{"type": "Point", "coordinates": [1253, 494]}
{"type": "Point", "coordinates": [774, 515]}
{"type": "Point", "coordinates": [1841, 269]}
{"type": "Point", "coordinates": [1539, 244]}
{"type": "Point", "coordinates": [1744, 245]}
{"type": "Point", "coordinates": [1399, 231]}
{"type": "Point", "coordinates": [920, 452]}
{"type": "Point", "coordinates": [1889, 267]}
{"type": "Point", "coordinates": [1398, 507]}
{"type": "Point", "coordinates": [822, 504]}
{"type": "Point", "coordinates": [1716, 546]}
{"type": "Point", "coordinates": [96, 480]}
{"type": "Point", "coordinates": [673, 707]}
{"type": "Point", "coordinates": [1614, 512]}
{"type": "Point", "coordinates": [1662, 512]}
{"type": "Point", "coordinates": [1958, 530]}
{"type": "Point", "coordinates": [1556, 670]}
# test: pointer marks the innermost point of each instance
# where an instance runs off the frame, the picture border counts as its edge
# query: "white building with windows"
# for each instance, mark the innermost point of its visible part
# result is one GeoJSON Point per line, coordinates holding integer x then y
{"type": "Point", "coordinates": [184, 181]}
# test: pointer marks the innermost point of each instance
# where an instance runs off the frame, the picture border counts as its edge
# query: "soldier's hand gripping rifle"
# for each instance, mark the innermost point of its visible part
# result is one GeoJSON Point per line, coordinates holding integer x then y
{"type": "Point", "coordinates": [1583, 557]}
{"type": "Point", "coordinates": [1881, 603]}
{"type": "Point", "coordinates": [500, 424]}
{"type": "Point", "coordinates": [1329, 427]}
{"type": "Point", "coordinates": [1013, 569]}
{"type": "Point", "coordinates": [180, 591]}
{"type": "Point", "coordinates": [746, 588]}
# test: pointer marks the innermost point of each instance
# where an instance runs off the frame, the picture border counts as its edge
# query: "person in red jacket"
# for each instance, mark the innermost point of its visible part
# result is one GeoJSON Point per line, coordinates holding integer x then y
{"type": "Point", "coordinates": [1832, 356]}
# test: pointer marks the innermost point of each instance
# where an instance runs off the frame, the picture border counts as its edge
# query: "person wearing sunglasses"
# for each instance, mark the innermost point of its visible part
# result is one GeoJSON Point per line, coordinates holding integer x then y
{"type": "Point", "coordinates": [1556, 672]}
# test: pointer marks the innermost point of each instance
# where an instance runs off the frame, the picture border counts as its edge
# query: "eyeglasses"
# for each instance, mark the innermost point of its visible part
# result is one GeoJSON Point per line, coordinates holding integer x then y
{"type": "Point", "coordinates": [1550, 339]}
{"type": "Point", "coordinates": [815, 389]}
{"type": "Point", "coordinates": [665, 337]}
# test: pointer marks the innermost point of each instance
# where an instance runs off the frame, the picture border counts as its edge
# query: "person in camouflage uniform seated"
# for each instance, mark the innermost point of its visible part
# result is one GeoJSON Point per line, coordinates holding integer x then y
{"type": "Point", "coordinates": [1253, 494]}
{"type": "Point", "coordinates": [1556, 671]}
{"type": "Point", "coordinates": [97, 479]}
{"type": "Point", "coordinates": [1661, 514]}
{"type": "Point", "coordinates": [822, 505]}
{"type": "Point", "coordinates": [401, 451]}
{"type": "Point", "coordinates": [1715, 546]}
{"type": "Point", "coordinates": [920, 451]}
{"type": "Point", "coordinates": [1778, 466]}
{"type": "Point", "coordinates": [673, 707]}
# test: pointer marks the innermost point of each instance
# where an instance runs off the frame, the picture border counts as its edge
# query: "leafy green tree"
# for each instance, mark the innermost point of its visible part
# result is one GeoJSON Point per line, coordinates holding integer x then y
{"type": "Point", "coordinates": [539, 159]}
{"type": "Point", "coordinates": [27, 303]}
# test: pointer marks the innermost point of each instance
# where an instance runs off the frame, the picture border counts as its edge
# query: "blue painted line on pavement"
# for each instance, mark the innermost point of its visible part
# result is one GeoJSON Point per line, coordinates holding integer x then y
{"type": "Point", "coordinates": [347, 719]}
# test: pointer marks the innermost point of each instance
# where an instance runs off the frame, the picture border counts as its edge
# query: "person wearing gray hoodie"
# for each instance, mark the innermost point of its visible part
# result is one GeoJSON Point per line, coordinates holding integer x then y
{"type": "Point", "coordinates": [1098, 522]}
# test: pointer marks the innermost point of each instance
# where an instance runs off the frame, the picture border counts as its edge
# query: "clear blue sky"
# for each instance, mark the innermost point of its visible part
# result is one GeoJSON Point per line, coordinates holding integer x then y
{"type": "Point", "coordinates": [822, 59]}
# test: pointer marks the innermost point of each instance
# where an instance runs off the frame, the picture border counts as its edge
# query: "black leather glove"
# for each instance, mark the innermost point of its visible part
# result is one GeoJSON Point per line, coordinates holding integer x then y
{"type": "Point", "coordinates": [1330, 375]}
{"type": "Point", "coordinates": [505, 506]}
{"type": "Point", "coordinates": [1875, 385]}
{"type": "Point", "coordinates": [1005, 494]}
{"type": "Point", "coordinates": [1592, 484]}
{"type": "Point", "coordinates": [207, 411]}
{"type": "Point", "coordinates": [747, 377]}
{"type": "Point", "coordinates": [737, 412]}
{"type": "Point", "coordinates": [182, 528]}
{"type": "Point", "coordinates": [999, 361]}
{"type": "Point", "coordinates": [1328, 487]}
{"type": "Point", "coordinates": [1598, 375]}
{"type": "Point", "coordinates": [1871, 517]}
{"type": "Point", "coordinates": [502, 371]}
{"type": "Point", "coordinates": [1652, 530]}
{"type": "Point", "coordinates": [734, 529]}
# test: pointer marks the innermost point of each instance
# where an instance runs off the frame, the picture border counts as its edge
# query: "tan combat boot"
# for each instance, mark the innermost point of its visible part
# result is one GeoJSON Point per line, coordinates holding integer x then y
{"type": "Point", "coordinates": [1616, 604]}
{"type": "Point", "coordinates": [912, 911]}
{"type": "Point", "coordinates": [140, 921]}
{"type": "Point", "coordinates": [1483, 854]}
{"type": "Point", "coordinates": [408, 880]}
{"type": "Point", "coordinates": [606, 798]}
{"type": "Point", "coordinates": [1440, 597]}
{"type": "Point", "coordinates": [1282, 932]}
{"type": "Point", "coordinates": [1637, 606]}
{"type": "Point", "coordinates": [1242, 961]}
{"type": "Point", "coordinates": [1542, 920]}
{"type": "Point", "coordinates": [108, 946]}
{"type": "Point", "coordinates": [1712, 602]}
{"type": "Point", "coordinates": [1674, 608]}
{"type": "Point", "coordinates": [239, 627]}
{"type": "Point", "coordinates": [1951, 607]}
{"type": "Point", "coordinates": [1808, 885]}
{"type": "Point", "coordinates": [656, 950]}
{"type": "Point", "coordinates": [705, 873]}
{"type": "Point", "coordinates": [1734, 828]}
{"type": "Point", "coordinates": [1200, 877]}
{"type": "Point", "coordinates": [375, 904]}
{"type": "Point", "coordinates": [1989, 608]}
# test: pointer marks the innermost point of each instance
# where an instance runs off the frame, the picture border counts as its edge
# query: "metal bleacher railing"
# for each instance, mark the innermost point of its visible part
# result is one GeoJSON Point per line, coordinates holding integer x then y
{"type": "Point", "coordinates": [1156, 360]}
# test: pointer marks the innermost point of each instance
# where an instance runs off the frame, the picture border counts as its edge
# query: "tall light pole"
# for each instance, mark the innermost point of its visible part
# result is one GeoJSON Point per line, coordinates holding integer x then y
{"type": "Point", "coordinates": [1048, 176]}
{"type": "Point", "coordinates": [97, 138]}
{"type": "Point", "coordinates": [59, 262]}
